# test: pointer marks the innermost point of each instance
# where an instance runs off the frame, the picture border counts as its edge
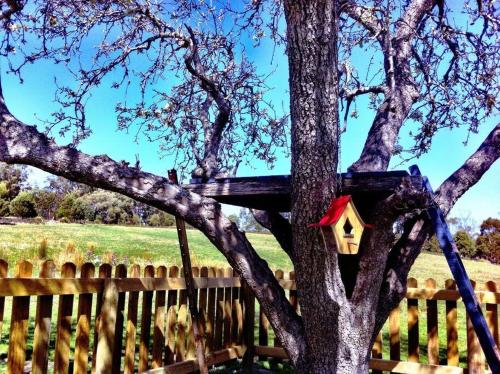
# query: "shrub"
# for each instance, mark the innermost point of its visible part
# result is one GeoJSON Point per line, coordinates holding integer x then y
{"type": "Point", "coordinates": [465, 244]}
{"type": "Point", "coordinates": [23, 205]}
{"type": "Point", "coordinates": [154, 220]}
{"type": "Point", "coordinates": [431, 245]}
{"type": "Point", "coordinates": [38, 220]}
{"type": "Point", "coordinates": [161, 219]}
{"type": "Point", "coordinates": [488, 241]}
{"type": "Point", "coordinates": [4, 208]}
{"type": "Point", "coordinates": [135, 220]}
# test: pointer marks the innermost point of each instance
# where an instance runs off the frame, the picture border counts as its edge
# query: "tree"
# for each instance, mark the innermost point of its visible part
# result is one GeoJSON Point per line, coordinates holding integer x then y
{"type": "Point", "coordinates": [247, 222]}
{"type": "Point", "coordinates": [46, 203]}
{"type": "Point", "coordinates": [23, 205]}
{"type": "Point", "coordinates": [465, 244]}
{"type": "Point", "coordinates": [488, 241]}
{"type": "Point", "coordinates": [433, 73]}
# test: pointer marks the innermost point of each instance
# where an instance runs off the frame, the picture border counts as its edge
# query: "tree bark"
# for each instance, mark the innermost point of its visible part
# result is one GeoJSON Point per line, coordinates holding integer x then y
{"type": "Point", "coordinates": [334, 336]}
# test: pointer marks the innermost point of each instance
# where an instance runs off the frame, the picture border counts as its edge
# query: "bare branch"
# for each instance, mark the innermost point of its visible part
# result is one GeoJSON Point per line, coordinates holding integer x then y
{"type": "Point", "coordinates": [364, 15]}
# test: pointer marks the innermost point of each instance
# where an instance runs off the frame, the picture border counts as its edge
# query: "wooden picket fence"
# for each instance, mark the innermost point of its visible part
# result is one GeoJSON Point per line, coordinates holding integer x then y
{"type": "Point", "coordinates": [119, 320]}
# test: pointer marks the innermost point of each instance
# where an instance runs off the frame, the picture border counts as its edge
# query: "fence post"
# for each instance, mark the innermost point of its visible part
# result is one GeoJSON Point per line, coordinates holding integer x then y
{"type": "Point", "coordinates": [432, 326]}
{"type": "Point", "coordinates": [147, 304]}
{"type": "Point", "coordinates": [104, 356]}
{"type": "Point", "coordinates": [248, 327]}
{"type": "Point", "coordinates": [133, 301]}
{"type": "Point", "coordinates": [413, 337]}
{"type": "Point", "coordinates": [42, 323]}
{"type": "Point", "coordinates": [159, 325]}
{"type": "Point", "coordinates": [394, 335]}
{"type": "Point", "coordinates": [104, 272]}
{"type": "Point", "coordinates": [475, 357]}
{"type": "Point", "coordinates": [64, 316]}
{"type": "Point", "coordinates": [83, 324]}
{"type": "Point", "coordinates": [16, 357]}
{"type": "Point", "coordinates": [451, 327]}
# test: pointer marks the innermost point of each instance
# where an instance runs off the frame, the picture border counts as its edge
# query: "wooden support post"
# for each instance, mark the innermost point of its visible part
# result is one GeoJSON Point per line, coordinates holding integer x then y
{"type": "Point", "coordinates": [188, 276]}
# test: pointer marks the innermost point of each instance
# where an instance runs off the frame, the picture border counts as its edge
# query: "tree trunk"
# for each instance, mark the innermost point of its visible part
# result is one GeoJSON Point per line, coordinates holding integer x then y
{"type": "Point", "coordinates": [336, 340]}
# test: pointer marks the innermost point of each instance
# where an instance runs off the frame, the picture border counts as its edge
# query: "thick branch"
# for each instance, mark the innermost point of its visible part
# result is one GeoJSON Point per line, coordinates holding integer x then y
{"type": "Point", "coordinates": [382, 137]}
{"type": "Point", "coordinates": [279, 227]}
{"type": "Point", "coordinates": [23, 144]}
{"type": "Point", "coordinates": [364, 16]}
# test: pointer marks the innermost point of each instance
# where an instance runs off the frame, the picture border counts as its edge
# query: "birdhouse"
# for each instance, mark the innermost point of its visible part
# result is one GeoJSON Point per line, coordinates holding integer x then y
{"type": "Point", "coordinates": [342, 224]}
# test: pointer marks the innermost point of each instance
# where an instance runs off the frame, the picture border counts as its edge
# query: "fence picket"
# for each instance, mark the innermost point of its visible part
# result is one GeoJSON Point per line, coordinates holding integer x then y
{"type": "Point", "coordinates": [120, 272]}
{"type": "Point", "coordinates": [63, 334]}
{"type": "Point", "coordinates": [394, 335]}
{"type": "Point", "coordinates": [377, 350]}
{"type": "Point", "coordinates": [492, 313]}
{"type": "Point", "coordinates": [452, 355]}
{"type": "Point", "coordinates": [475, 356]}
{"type": "Point", "coordinates": [219, 318]}
{"type": "Point", "coordinates": [133, 304]}
{"type": "Point", "coordinates": [147, 303]}
{"type": "Point", "coordinates": [190, 345]}
{"type": "Point", "coordinates": [42, 323]}
{"type": "Point", "coordinates": [203, 303]}
{"type": "Point", "coordinates": [82, 341]}
{"type": "Point", "coordinates": [173, 272]}
{"type": "Point", "coordinates": [104, 272]}
{"type": "Point", "coordinates": [16, 356]}
{"type": "Point", "coordinates": [432, 326]}
{"type": "Point", "coordinates": [413, 337]}
{"type": "Point", "coordinates": [210, 322]}
{"type": "Point", "coordinates": [159, 325]}
{"type": "Point", "coordinates": [228, 315]}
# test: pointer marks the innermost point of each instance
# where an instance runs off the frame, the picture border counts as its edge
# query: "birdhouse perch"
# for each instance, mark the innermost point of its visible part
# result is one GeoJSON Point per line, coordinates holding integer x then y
{"type": "Point", "coordinates": [343, 223]}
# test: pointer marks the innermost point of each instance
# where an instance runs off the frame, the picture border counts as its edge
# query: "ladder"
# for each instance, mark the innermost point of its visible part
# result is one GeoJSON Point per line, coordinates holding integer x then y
{"type": "Point", "coordinates": [457, 268]}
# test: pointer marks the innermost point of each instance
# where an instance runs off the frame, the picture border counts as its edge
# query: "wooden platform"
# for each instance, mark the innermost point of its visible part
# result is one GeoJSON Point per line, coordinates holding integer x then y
{"type": "Point", "coordinates": [273, 192]}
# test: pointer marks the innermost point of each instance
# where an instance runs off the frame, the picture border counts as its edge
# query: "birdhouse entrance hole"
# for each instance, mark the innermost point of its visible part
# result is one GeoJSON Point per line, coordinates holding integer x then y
{"type": "Point", "coordinates": [348, 229]}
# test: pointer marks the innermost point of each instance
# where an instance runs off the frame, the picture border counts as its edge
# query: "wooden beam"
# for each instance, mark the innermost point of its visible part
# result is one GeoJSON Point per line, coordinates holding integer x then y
{"type": "Point", "coordinates": [273, 192]}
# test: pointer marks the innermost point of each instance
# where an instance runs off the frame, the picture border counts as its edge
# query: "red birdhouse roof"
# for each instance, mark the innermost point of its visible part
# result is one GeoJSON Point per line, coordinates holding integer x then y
{"type": "Point", "coordinates": [332, 215]}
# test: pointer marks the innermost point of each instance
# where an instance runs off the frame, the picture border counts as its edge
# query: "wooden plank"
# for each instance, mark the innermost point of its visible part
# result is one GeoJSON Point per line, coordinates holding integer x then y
{"type": "Point", "coordinates": [43, 287]}
{"type": "Point", "coordinates": [159, 322]}
{"type": "Point", "coordinates": [133, 304]}
{"type": "Point", "coordinates": [63, 334]}
{"type": "Point", "coordinates": [42, 323]}
{"type": "Point", "coordinates": [19, 321]}
{"type": "Point", "coordinates": [120, 273]}
{"type": "Point", "coordinates": [377, 349]}
{"type": "Point", "coordinates": [236, 315]}
{"type": "Point", "coordinates": [104, 355]}
{"type": "Point", "coordinates": [273, 192]}
{"type": "Point", "coordinates": [173, 272]}
{"type": "Point", "coordinates": [293, 296]}
{"type": "Point", "coordinates": [147, 303]}
{"type": "Point", "coordinates": [104, 272]}
{"type": "Point", "coordinates": [228, 315]}
{"type": "Point", "coordinates": [190, 366]}
{"type": "Point", "coordinates": [413, 336]}
{"type": "Point", "coordinates": [492, 313]}
{"type": "Point", "coordinates": [82, 341]}
{"type": "Point", "coordinates": [190, 339]}
{"type": "Point", "coordinates": [475, 358]}
{"type": "Point", "coordinates": [210, 322]}
{"type": "Point", "coordinates": [412, 367]}
{"type": "Point", "coordinates": [394, 335]}
{"type": "Point", "coordinates": [180, 344]}
{"type": "Point", "coordinates": [203, 303]}
{"type": "Point", "coordinates": [248, 328]}
{"type": "Point", "coordinates": [452, 355]}
{"type": "Point", "coordinates": [4, 268]}
{"type": "Point", "coordinates": [432, 326]}
{"type": "Point", "coordinates": [219, 318]}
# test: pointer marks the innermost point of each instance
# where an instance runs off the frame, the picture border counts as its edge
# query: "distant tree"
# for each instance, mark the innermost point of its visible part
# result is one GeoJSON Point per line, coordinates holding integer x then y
{"type": "Point", "coordinates": [23, 205]}
{"type": "Point", "coordinates": [109, 206]}
{"type": "Point", "coordinates": [465, 244]}
{"type": "Point", "coordinates": [4, 208]}
{"type": "Point", "coordinates": [46, 203]}
{"type": "Point", "coordinates": [488, 241]}
{"type": "Point", "coordinates": [463, 222]}
{"type": "Point", "coordinates": [161, 219]}
{"type": "Point", "coordinates": [234, 218]}
{"type": "Point", "coordinates": [65, 208]}
{"type": "Point", "coordinates": [12, 179]}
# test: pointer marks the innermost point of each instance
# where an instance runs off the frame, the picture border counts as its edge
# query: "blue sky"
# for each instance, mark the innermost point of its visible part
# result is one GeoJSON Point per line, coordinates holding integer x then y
{"type": "Point", "coordinates": [34, 100]}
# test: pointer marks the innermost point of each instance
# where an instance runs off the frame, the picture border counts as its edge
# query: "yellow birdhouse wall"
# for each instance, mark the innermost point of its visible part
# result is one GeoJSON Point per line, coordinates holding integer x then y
{"type": "Point", "coordinates": [348, 230]}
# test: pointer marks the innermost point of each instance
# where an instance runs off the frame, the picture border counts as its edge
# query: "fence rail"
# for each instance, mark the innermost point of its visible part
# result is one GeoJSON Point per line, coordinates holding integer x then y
{"type": "Point", "coordinates": [118, 319]}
